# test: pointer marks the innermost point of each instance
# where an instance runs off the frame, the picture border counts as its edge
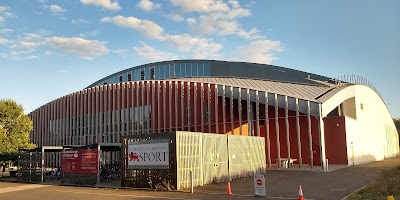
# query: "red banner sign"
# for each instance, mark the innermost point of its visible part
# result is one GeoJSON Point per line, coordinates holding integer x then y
{"type": "Point", "coordinates": [82, 161]}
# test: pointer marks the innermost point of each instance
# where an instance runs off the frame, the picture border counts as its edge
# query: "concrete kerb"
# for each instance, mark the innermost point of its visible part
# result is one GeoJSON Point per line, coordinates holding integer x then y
{"type": "Point", "coordinates": [344, 198]}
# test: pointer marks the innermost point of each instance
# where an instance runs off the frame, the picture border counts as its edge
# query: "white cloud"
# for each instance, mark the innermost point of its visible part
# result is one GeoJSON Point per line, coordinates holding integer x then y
{"type": "Point", "coordinates": [79, 21]}
{"type": "Point", "coordinates": [259, 51]}
{"type": "Point", "coordinates": [16, 55]}
{"type": "Point", "coordinates": [201, 47]}
{"type": "Point", "coordinates": [25, 45]}
{"type": "Point", "coordinates": [103, 3]}
{"type": "Point", "coordinates": [176, 17]}
{"type": "Point", "coordinates": [55, 9]}
{"type": "Point", "coordinates": [217, 17]}
{"type": "Point", "coordinates": [83, 48]}
{"type": "Point", "coordinates": [149, 53]}
{"type": "Point", "coordinates": [89, 34]}
{"type": "Point", "coordinates": [4, 13]}
{"type": "Point", "coordinates": [63, 71]}
{"type": "Point", "coordinates": [147, 27]}
{"type": "Point", "coordinates": [6, 30]}
{"type": "Point", "coordinates": [4, 41]}
{"type": "Point", "coordinates": [119, 51]}
{"type": "Point", "coordinates": [48, 53]}
{"type": "Point", "coordinates": [32, 36]}
{"type": "Point", "coordinates": [191, 20]}
{"type": "Point", "coordinates": [42, 1]}
{"type": "Point", "coordinates": [31, 57]}
{"type": "Point", "coordinates": [147, 5]}
{"type": "Point", "coordinates": [201, 5]}
{"type": "Point", "coordinates": [252, 34]}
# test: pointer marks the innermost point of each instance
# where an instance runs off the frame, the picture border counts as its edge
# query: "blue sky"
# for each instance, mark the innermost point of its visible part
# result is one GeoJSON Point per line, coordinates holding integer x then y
{"type": "Point", "coordinates": [52, 48]}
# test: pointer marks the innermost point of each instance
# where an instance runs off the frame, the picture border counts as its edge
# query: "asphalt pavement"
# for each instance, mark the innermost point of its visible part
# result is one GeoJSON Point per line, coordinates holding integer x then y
{"type": "Point", "coordinates": [280, 184]}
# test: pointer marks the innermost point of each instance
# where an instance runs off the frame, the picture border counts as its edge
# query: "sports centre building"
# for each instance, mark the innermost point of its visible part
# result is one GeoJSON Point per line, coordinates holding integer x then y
{"type": "Point", "coordinates": [305, 118]}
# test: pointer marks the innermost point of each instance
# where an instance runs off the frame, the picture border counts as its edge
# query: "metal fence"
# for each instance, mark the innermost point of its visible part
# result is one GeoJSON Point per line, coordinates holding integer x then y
{"type": "Point", "coordinates": [30, 166]}
{"type": "Point", "coordinates": [207, 156]}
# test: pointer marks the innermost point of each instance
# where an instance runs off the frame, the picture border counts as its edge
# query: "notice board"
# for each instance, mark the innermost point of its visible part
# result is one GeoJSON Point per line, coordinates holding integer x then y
{"type": "Point", "coordinates": [82, 161]}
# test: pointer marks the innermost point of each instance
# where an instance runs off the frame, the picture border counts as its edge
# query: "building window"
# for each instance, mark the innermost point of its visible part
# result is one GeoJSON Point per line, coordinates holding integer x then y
{"type": "Point", "coordinates": [172, 70]}
{"type": "Point", "coordinates": [262, 115]}
{"type": "Point", "coordinates": [152, 74]}
{"type": "Point", "coordinates": [142, 74]}
{"type": "Point", "coordinates": [129, 77]}
{"type": "Point", "coordinates": [187, 116]}
{"type": "Point", "coordinates": [121, 79]}
{"type": "Point", "coordinates": [207, 114]}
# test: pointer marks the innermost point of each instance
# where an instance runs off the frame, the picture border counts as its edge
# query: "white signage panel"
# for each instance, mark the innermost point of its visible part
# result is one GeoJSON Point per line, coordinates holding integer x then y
{"type": "Point", "coordinates": [150, 154]}
{"type": "Point", "coordinates": [259, 185]}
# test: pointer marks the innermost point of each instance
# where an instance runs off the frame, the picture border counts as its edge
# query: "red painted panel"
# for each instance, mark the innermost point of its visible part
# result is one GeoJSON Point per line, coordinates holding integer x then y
{"type": "Point", "coordinates": [335, 137]}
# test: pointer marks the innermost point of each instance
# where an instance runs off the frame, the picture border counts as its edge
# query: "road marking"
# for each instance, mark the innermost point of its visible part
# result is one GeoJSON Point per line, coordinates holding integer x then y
{"type": "Point", "coordinates": [338, 189]}
{"type": "Point", "coordinates": [19, 188]}
{"type": "Point", "coordinates": [121, 195]}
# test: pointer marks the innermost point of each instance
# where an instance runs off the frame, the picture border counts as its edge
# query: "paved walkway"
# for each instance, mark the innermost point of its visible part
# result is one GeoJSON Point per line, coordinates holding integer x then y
{"type": "Point", "coordinates": [283, 184]}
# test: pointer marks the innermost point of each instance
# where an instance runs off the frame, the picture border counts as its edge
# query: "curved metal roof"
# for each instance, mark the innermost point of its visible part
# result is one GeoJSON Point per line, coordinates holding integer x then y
{"type": "Point", "coordinates": [217, 68]}
{"type": "Point", "coordinates": [301, 91]}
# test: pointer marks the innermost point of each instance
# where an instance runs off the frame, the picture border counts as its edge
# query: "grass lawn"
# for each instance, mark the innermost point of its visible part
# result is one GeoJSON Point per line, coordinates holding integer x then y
{"type": "Point", "coordinates": [386, 184]}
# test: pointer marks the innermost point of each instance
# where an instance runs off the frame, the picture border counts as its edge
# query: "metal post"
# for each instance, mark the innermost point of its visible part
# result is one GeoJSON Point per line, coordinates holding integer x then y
{"type": "Point", "coordinates": [191, 181]}
{"type": "Point", "coordinates": [278, 146]}
{"type": "Point", "coordinates": [209, 107]}
{"type": "Point", "coordinates": [195, 106]}
{"type": "Point", "coordinates": [231, 113]}
{"type": "Point", "coordinates": [240, 110]}
{"type": "Point", "coordinates": [322, 138]}
{"type": "Point", "coordinates": [176, 104]}
{"type": "Point", "coordinates": [164, 109]}
{"type": "Point", "coordinates": [41, 171]}
{"type": "Point", "coordinates": [248, 111]}
{"type": "Point", "coordinates": [298, 133]}
{"type": "Point", "coordinates": [98, 166]}
{"type": "Point", "coordinates": [223, 109]}
{"type": "Point", "coordinates": [257, 114]}
{"type": "Point", "coordinates": [202, 106]}
{"type": "Point", "coordinates": [309, 135]}
{"type": "Point", "coordinates": [216, 107]}
{"type": "Point", "coordinates": [267, 130]}
{"type": "Point", "coordinates": [287, 129]}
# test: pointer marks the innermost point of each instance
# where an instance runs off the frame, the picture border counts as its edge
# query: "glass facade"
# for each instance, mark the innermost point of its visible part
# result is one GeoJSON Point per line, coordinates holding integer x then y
{"type": "Point", "coordinates": [179, 70]}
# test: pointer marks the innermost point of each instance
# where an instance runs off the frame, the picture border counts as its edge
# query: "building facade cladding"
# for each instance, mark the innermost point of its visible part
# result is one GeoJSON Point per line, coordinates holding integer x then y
{"type": "Point", "coordinates": [106, 113]}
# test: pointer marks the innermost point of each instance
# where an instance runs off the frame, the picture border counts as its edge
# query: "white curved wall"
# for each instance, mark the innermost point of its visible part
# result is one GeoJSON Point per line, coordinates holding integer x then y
{"type": "Point", "coordinates": [372, 136]}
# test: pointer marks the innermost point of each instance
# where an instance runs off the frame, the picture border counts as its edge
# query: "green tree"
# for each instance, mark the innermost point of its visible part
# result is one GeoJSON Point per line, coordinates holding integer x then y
{"type": "Point", "coordinates": [14, 130]}
{"type": "Point", "coordinates": [397, 123]}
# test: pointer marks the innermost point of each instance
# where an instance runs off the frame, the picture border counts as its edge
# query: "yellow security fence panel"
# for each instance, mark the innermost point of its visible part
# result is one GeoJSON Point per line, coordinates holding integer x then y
{"type": "Point", "coordinates": [246, 156]}
{"type": "Point", "coordinates": [189, 157]}
{"type": "Point", "coordinates": [207, 156]}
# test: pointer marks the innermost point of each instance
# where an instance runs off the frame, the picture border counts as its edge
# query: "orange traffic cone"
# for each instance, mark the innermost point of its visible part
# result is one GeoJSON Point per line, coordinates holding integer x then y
{"type": "Point", "coordinates": [300, 194]}
{"type": "Point", "coordinates": [228, 192]}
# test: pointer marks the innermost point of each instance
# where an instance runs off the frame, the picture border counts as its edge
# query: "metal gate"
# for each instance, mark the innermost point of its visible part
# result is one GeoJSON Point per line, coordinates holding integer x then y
{"type": "Point", "coordinates": [215, 158]}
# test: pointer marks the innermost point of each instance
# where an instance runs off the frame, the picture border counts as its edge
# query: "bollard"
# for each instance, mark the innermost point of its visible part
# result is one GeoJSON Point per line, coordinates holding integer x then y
{"type": "Point", "coordinates": [191, 181]}
{"type": "Point", "coordinates": [327, 169]}
{"type": "Point", "coordinates": [390, 198]}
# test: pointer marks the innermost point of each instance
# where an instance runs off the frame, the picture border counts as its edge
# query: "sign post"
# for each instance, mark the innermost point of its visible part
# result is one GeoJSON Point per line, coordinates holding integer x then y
{"type": "Point", "coordinates": [259, 185]}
